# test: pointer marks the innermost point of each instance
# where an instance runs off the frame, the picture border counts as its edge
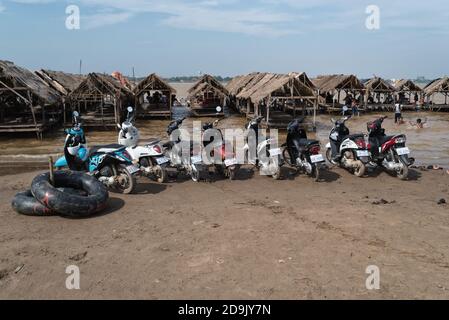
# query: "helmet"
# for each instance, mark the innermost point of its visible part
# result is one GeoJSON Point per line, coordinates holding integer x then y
{"type": "Point", "coordinates": [74, 145]}
{"type": "Point", "coordinates": [73, 150]}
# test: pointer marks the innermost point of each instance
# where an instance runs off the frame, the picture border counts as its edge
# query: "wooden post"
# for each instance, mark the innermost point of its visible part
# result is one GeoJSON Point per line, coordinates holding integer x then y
{"type": "Point", "coordinates": [268, 110]}
{"type": "Point", "coordinates": [64, 110]}
{"type": "Point", "coordinates": [52, 176]}
{"type": "Point", "coordinates": [315, 108]}
{"type": "Point", "coordinates": [170, 104]}
{"type": "Point", "coordinates": [33, 114]}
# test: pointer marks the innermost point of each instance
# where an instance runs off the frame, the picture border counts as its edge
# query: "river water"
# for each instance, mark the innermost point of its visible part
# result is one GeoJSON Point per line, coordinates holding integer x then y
{"type": "Point", "coordinates": [429, 145]}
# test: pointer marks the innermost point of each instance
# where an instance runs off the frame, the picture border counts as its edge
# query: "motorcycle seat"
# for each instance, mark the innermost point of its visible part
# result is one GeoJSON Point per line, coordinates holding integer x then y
{"type": "Point", "coordinates": [106, 149]}
{"type": "Point", "coordinates": [152, 142]}
{"type": "Point", "coordinates": [380, 140]}
{"type": "Point", "coordinates": [307, 142]}
{"type": "Point", "coordinates": [354, 136]}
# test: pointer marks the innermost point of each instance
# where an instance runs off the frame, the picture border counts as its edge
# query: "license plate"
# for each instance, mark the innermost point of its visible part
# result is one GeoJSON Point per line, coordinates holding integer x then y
{"type": "Point", "coordinates": [317, 158]}
{"type": "Point", "coordinates": [363, 153]}
{"type": "Point", "coordinates": [403, 151]}
{"type": "Point", "coordinates": [275, 152]}
{"type": "Point", "coordinates": [230, 162]}
{"type": "Point", "coordinates": [162, 160]}
{"type": "Point", "coordinates": [132, 169]}
{"type": "Point", "coordinates": [196, 159]}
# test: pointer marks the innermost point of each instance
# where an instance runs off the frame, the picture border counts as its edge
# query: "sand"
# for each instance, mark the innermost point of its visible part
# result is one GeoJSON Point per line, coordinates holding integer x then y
{"type": "Point", "coordinates": [254, 238]}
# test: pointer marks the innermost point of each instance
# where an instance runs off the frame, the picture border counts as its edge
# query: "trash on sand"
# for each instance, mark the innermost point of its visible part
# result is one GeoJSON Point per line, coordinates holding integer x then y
{"type": "Point", "coordinates": [442, 201]}
{"type": "Point", "coordinates": [19, 268]}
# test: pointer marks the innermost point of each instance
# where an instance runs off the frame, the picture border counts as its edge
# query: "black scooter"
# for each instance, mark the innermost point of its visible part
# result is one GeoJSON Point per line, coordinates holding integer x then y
{"type": "Point", "coordinates": [302, 153]}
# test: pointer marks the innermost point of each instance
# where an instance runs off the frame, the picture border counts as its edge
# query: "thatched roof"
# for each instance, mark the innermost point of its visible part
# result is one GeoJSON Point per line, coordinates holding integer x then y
{"type": "Point", "coordinates": [208, 83]}
{"type": "Point", "coordinates": [63, 82]}
{"type": "Point", "coordinates": [437, 85]}
{"type": "Point", "coordinates": [153, 82]}
{"type": "Point", "coordinates": [18, 77]}
{"type": "Point", "coordinates": [377, 84]}
{"type": "Point", "coordinates": [326, 83]}
{"type": "Point", "coordinates": [97, 83]}
{"type": "Point", "coordinates": [238, 83]}
{"type": "Point", "coordinates": [406, 86]}
{"type": "Point", "coordinates": [259, 86]}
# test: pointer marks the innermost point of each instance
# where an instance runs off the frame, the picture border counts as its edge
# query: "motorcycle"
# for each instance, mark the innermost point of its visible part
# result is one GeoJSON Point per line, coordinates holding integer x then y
{"type": "Point", "coordinates": [302, 153]}
{"type": "Point", "coordinates": [350, 151]}
{"type": "Point", "coordinates": [268, 161]}
{"type": "Point", "coordinates": [111, 164]}
{"type": "Point", "coordinates": [192, 165]}
{"type": "Point", "coordinates": [229, 164]}
{"type": "Point", "coordinates": [389, 152]}
{"type": "Point", "coordinates": [149, 158]}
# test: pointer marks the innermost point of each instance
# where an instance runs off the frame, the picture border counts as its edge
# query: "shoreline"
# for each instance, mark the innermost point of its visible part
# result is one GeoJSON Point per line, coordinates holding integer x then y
{"type": "Point", "coordinates": [253, 238]}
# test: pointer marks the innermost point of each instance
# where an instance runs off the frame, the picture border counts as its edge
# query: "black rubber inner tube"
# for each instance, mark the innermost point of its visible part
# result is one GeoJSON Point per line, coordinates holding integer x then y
{"type": "Point", "coordinates": [25, 203]}
{"type": "Point", "coordinates": [69, 203]}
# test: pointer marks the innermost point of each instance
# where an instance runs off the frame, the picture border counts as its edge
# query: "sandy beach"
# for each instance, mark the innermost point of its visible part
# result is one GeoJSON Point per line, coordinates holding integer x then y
{"type": "Point", "coordinates": [254, 238]}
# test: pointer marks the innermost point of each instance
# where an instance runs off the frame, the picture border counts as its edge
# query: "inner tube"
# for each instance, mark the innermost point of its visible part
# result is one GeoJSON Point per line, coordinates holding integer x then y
{"type": "Point", "coordinates": [24, 203]}
{"type": "Point", "coordinates": [69, 203]}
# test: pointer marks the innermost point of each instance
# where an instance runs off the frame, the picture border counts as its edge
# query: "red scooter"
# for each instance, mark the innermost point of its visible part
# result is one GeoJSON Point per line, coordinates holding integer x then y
{"type": "Point", "coordinates": [388, 152]}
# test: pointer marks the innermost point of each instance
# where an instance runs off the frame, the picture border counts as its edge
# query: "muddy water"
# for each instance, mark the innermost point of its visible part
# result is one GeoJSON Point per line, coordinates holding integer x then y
{"type": "Point", "coordinates": [429, 145]}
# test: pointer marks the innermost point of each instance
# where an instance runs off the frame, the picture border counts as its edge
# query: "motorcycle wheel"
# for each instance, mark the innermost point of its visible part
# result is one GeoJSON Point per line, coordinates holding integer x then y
{"type": "Point", "coordinates": [329, 157]}
{"type": "Point", "coordinates": [403, 173]}
{"type": "Point", "coordinates": [161, 174]}
{"type": "Point", "coordinates": [277, 175]}
{"type": "Point", "coordinates": [316, 173]}
{"type": "Point", "coordinates": [360, 170]}
{"type": "Point", "coordinates": [231, 172]}
{"type": "Point", "coordinates": [287, 158]}
{"type": "Point", "coordinates": [195, 174]}
{"type": "Point", "coordinates": [126, 181]}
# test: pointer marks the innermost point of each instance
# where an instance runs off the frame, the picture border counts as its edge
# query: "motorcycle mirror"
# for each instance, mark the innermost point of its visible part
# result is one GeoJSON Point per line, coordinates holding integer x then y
{"type": "Point", "coordinates": [219, 109]}
{"type": "Point", "coordinates": [130, 109]}
{"type": "Point", "coordinates": [75, 114]}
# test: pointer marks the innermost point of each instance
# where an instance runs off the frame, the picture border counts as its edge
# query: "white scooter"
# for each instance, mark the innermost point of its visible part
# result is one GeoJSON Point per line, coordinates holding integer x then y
{"type": "Point", "coordinates": [351, 150]}
{"type": "Point", "coordinates": [268, 161]}
{"type": "Point", "coordinates": [149, 157]}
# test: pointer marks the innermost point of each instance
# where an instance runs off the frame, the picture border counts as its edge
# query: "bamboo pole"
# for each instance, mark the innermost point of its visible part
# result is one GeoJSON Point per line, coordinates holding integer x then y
{"type": "Point", "coordinates": [52, 175]}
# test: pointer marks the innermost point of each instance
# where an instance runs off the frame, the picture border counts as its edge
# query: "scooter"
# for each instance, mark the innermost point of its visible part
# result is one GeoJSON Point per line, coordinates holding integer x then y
{"type": "Point", "coordinates": [389, 152]}
{"type": "Point", "coordinates": [302, 153]}
{"type": "Point", "coordinates": [192, 164]}
{"type": "Point", "coordinates": [268, 161]}
{"type": "Point", "coordinates": [110, 164]}
{"type": "Point", "coordinates": [149, 157]}
{"type": "Point", "coordinates": [229, 165]}
{"type": "Point", "coordinates": [351, 150]}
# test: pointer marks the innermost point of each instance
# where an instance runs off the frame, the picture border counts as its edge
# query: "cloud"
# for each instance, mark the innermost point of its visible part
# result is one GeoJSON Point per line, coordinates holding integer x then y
{"type": "Point", "coordinates": [2, 7]}
{"type": "Point", "coordinates": [272, 18]}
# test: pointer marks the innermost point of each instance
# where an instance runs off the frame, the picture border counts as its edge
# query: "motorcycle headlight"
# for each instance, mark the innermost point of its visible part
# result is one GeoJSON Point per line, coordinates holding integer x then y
{"type": "Point", "coordinates": [401, 140]}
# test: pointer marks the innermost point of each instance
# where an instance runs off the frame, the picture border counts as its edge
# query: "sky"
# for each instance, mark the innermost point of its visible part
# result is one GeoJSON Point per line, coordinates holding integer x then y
{"type": "Point", "coordinates": [229, 37]}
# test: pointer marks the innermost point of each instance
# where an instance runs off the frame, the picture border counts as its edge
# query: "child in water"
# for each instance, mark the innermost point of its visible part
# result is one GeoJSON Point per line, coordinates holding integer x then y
{"type": "Point", "coordinates": [419, 123]}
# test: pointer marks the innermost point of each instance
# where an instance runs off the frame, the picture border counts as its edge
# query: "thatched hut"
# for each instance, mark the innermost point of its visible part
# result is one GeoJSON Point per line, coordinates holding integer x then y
{"type": "Point", "coordinates": [379, 94]}
{"type": "Point", "coordinates": [154, 97]}
{"type": "Point", "coordinates": [436, 94]}
{"type": "Point", "coordinates": [409, 93]}
{"type": "Point", "coordinates": [206, 95]}
{"type": "Point", "coordinates": [235, 86]}
{"type": "Point", "coordinates": [333, 89]}
{"type": "Point", "coordinates": [101, 100]}
{"type": "Point", "coordinates": [62, 82]}
{"type": "Point", "coordinates": [27, 103]}
{"type": "Point", "coordinates": [277, 97]}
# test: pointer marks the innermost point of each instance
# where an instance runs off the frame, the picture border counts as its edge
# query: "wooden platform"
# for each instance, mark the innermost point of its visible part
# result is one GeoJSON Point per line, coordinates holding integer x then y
{"type": "Point", "coordinates": [205, 112]}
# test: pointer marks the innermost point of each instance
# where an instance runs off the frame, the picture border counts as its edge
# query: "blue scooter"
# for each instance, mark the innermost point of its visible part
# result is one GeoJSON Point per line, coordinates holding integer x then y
{"type": "Point", "coordinates": [110, 164]}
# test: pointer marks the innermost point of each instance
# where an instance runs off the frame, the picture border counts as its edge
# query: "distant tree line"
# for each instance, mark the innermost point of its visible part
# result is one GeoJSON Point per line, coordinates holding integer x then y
{"type": "Point", "coordinates": [190, 79]}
